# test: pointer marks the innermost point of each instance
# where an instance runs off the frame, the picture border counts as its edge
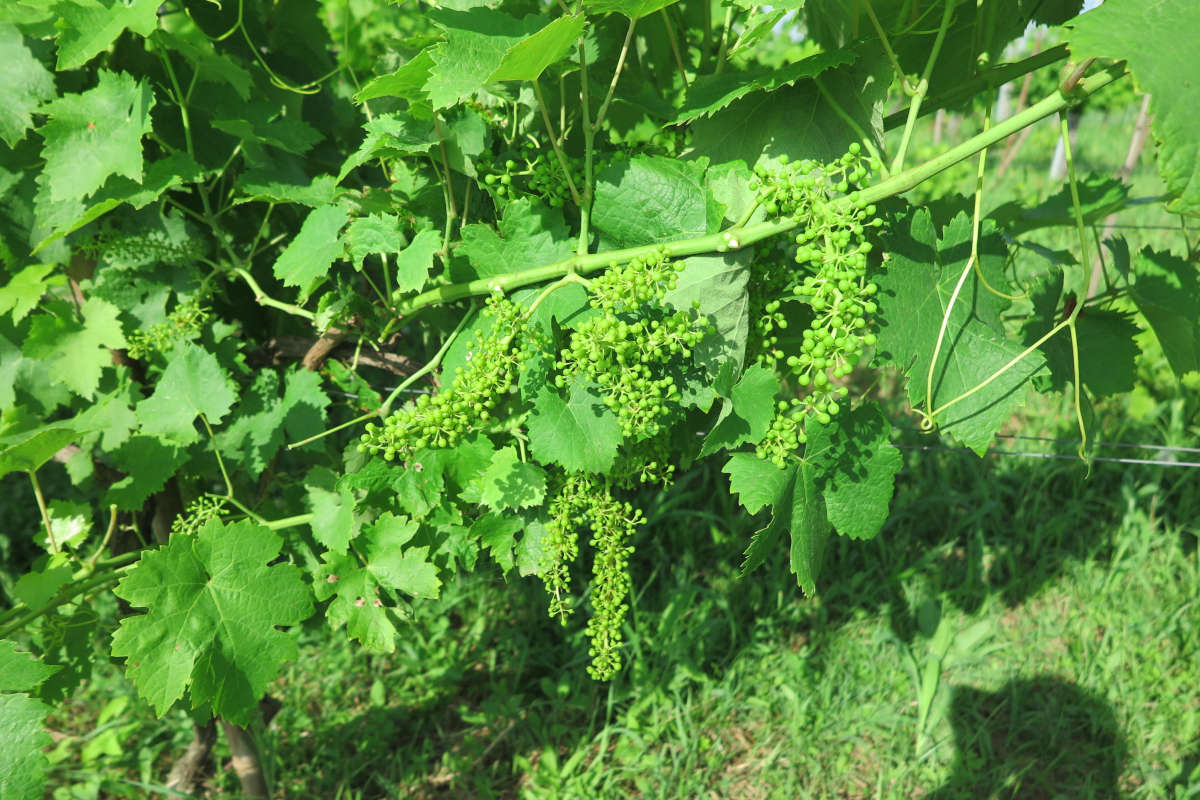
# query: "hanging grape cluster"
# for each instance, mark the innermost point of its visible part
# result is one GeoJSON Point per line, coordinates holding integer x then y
{"type": "Point", "coordinates": [443, 419]}
{"type": "Point", "coordinates": [586, 501]}
{"type": "Point", "coordinates": [830, 277]}
{"type": "Point", "coordinates": [634, 346]}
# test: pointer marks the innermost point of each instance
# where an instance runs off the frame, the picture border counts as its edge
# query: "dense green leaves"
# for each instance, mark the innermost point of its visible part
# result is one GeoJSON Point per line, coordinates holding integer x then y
{"type": "Point", "coordinates": [212, 611]}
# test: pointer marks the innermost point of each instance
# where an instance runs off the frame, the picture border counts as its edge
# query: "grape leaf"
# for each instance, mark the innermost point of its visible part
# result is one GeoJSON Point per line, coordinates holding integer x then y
{"type": "Point", "coordinates": [651, 199]}
{"type": "Point", "coordinates": [148, 462]}
{"type": "Point", "coordinates": [747, 414]}
{"type": "Point", "coordinates": [35, 588]}
{"type": "Point", "coordinates": [192, 384]}
{"type": "Point", "coordinates": [264, 185]}
{"type": "Point", "coordinates": [579, 433]}
{"type": "Point", "coordinates": [376, 233]}
{"type": "Point", "coordinates": [530, 57]}
{"type": "Point", "coordinates": [407, 82]}
{"type": "Point", "coordinates": [255, 432]}
{"type": "Point", "coordinates": [798, 509]}
{"type": "Point", "coordinates": [1156, 38]}
{"type": "Point", "coordinates": [718, 284]}
{"type": "Point", "coordinates": [1107, 351]}
{"type": "Point", "coordinates": [915, 291]}
{"type": "Point", "coordinates": [24, 85]}
{"type": "Point", "coordinates": [29, 450]}
{"type": "Point", "coordinates": [634, 9]}
{"type": "Point", "coordinates": [710, 93]}
{"type": "Point", "coordinates": [333, 523]}
{"type": "Point", "coordinates": [391, 136]}
{"type": "Point", "coordinates": [213, 611]}
{"type": "Point", "coordinates": [88, 27]}
{"type": "Point", "coordinates": [414, 262]}
{"type": "Point", "coordinates": [1166, 290]}
{"type": "Point", "coordinates": [24, 290]}
{"type": "Point", "coordinates": [508, 483]}
{"type": "Point", "coordinates": [756, 482]}
{"type": "Point", "coordinates": [22, 739]}
{"type": "Point", "coordinates": [21, 672]}
{"type": "Point", "coordinates": [357, 585]}
{"type": "Point", "coordinates": [106, 122]}
{"type": "Point", "coordinates": [856, 467]}
{"type": "Point", "coordinates": [497, 533]}
{"type": "Point", "coordinates": [476, 44]}
{"type": "Point", "coordinates": [797, 121]}
{"type": "Point", "coordinates": [78, 352]}
{"type": "Point", "coordinates": [530, 235]}
{"type": "Point", "coordinates": [310, 254]}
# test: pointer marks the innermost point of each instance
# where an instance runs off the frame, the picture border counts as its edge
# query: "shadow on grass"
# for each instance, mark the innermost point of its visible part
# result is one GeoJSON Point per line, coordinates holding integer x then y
{"type": "Point", "coordinates": [1035, 739]}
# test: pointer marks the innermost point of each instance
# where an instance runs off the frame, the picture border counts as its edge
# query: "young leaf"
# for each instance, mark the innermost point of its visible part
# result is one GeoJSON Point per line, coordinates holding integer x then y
{"type": "Point", "coordinates": [414, 262]}
{"type": "Point", "coordinates": [747, 414]}
{"type": "Point", "coordinates": [376, 233]}
{"type": "Point", "coordinates": [756, 482]}
{"type": "Point", "coordinates": [78, 352]}
{"type": "Point", "coordinates": [148, 462]}
{"type": "Point", "coordinates": [528, 59]}
{"type": "Point", "coordinates": [798, 509]}
{"type": "Point", "coordinates": [308, 257]}
{"type": "Point", "coordinates": [508, 483]}
{"type": "Point", "coordinates": [476, 44]}
{"type": "Point", "coordinates": [530, 235]}
{"type": "Point", "coordinates": [856, 468]}
{"type": "Point", "coordinates": [192, 384]}
{"type": "Point", "coordinates": [213, 609]}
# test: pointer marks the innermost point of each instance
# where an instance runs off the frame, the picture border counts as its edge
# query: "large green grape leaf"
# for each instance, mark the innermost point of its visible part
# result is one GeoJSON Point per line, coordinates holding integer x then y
{"type": "Point", "coordinates": [192, 384]}
{"type": "Point", "coordinates": [710, 93]}
{"type": "Point", "coordinates": [362, 586]}
{"type": "Point", "coordinates": [651, 199]}
{"type": "Point", "coordinates": [798, 121]}
{"type": "Point", "coordinates": [1166, 290]}
{"type": "Point", "coordinates": [477, 50]}
{"type": "Point", "coordinates": [88, 27]}
{"type": "Point", "coordinates": [24, 83]}
{"type": "Point", "coordinates": [579, 433]}
{"type": "Point", "coordinates": [213, 609]}
{"type": "Point", "coordinates": [857, 467]}
{"type": "Point", "coordinates": [1157, 39]}
{"type": "Point", "coordinates": [530, 235]}
{"type": "Point", "coordinates": [78, 351]}
{"type": "Point", "coordinates": [107, 123]}
{"type": "Point", "coordinates": [915, 291]}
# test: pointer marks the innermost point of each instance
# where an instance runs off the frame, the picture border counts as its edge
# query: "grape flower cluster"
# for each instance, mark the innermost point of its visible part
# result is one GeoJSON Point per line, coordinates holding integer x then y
{"type": "Point", "coordinates": [183, 323]}
{"type": "Point", "coordinates": [444, 419]}
{"type": "Point", "coordinates": [831, 255]}
{"type": "Point", "coordinates": [632, 345]}
{"type": "Point", "coordinates": [585, 500]}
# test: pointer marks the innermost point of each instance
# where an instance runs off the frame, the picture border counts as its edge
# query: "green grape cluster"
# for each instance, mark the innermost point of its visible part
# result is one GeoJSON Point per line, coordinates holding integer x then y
{"type": "Point", "coordinates": [197, 514]}
{"type": "Point", "coordinates": [444, 419]}
{"type": "Point", "coordinates": [183, 323]}
{"type": "Point", "coordinates": [632, 345]}
{"type": "Point", "coordinates": [587, 501]}
{"type": "Point", "coordinates": [532, 169]}
{"type": "Point", "coordinates": [832, 255]}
